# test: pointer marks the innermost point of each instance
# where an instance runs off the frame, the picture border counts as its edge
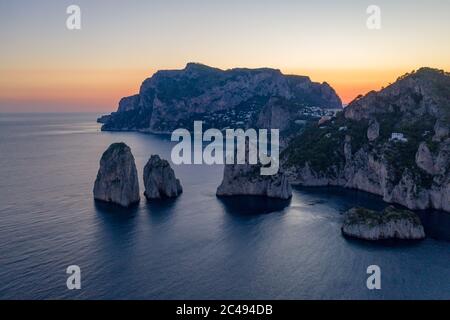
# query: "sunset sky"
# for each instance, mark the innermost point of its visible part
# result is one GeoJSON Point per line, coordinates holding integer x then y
{"type": "Point", "coordinates": [46, 67]}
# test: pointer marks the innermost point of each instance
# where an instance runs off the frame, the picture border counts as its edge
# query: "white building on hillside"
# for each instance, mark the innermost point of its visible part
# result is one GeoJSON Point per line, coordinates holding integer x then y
{"type": "Point", "coordinates": [395, 136]}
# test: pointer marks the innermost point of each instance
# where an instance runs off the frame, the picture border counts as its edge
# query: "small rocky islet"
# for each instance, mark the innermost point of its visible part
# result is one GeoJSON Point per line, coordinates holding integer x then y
{"type": "Point", "coordinates": [117, 179]}
{"type": "Point", "coordinates": [391, 223]}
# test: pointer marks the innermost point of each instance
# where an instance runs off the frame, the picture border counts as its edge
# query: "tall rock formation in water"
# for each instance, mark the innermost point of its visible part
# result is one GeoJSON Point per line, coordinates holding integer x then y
{"type": "Point", "coordinates": [160, 180]}
{"type": "Point", "coordinates": [117, 180]}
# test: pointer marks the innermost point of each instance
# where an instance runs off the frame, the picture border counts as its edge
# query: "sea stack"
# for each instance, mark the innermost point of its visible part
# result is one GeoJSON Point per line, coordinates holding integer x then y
{"type": "Point", "coordinates": [391, 223]}
{"type": "Point", "coordinates": [117, 180]}
{"type": "Point", "coordinates": [246, 179]}
{"type": "Point", "coordinates": [160, 180]}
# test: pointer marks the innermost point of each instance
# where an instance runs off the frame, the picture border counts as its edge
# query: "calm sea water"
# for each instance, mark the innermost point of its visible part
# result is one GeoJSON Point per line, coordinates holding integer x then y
{"type": "Point", "coordinates": [194, 247]}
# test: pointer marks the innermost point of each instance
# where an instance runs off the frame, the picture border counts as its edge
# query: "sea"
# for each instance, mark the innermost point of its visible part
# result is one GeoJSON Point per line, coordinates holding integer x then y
{"type": "Point", "coordinates": [197, 246]}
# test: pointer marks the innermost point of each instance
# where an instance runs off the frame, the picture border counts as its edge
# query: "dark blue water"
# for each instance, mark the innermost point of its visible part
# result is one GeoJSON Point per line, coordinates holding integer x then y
{"type": "Point", "coordinates": [194, 247]}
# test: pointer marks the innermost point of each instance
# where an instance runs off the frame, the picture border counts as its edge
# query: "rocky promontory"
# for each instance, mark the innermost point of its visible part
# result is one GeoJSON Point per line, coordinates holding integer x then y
{"type": "Point", "coordinates": [245, 179]}
{"type": "Point", "coordinates": [394, 143]}
{"type": "Point", "coordinates": [117, 179]}
{"type": "Point", "coordinates": [160, 180]}
{"type": "Point", "coordinates": [391, 223]}
{"type": "Point", "coordinates": [172, 99]}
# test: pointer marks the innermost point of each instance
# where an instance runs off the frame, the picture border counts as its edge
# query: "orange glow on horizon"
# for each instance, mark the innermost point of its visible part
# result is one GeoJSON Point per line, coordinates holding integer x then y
{"type": "Point", "coordinates": [348, 84]}
{"type": "Point", "coordinates": [102, 89]}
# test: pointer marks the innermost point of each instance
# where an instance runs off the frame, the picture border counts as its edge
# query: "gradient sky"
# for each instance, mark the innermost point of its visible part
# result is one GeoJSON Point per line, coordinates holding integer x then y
{"type": "Point", "coordinates": [45, 67]}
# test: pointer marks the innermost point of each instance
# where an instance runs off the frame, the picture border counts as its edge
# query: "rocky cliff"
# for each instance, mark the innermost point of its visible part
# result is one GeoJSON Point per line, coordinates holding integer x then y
{"type": "Point", "coordinates": [160, 180]}
{"type": "Point", "coordinates": [394, 143]}
{"type": "Point", "coordinates": [173, 99]}
{"type": "Point", "coordinates": [117, 179]}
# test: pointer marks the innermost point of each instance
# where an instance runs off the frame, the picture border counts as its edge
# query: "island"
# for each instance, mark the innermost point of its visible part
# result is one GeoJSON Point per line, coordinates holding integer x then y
{"type": "Point", "coordinates": [391, 223]}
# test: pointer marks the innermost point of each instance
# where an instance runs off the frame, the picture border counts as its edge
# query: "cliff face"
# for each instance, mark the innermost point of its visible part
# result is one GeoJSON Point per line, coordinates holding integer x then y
{"type": "Point", "coordinates": [175, 98]}
{"type": "Point", "coordinates": [357, 148]}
